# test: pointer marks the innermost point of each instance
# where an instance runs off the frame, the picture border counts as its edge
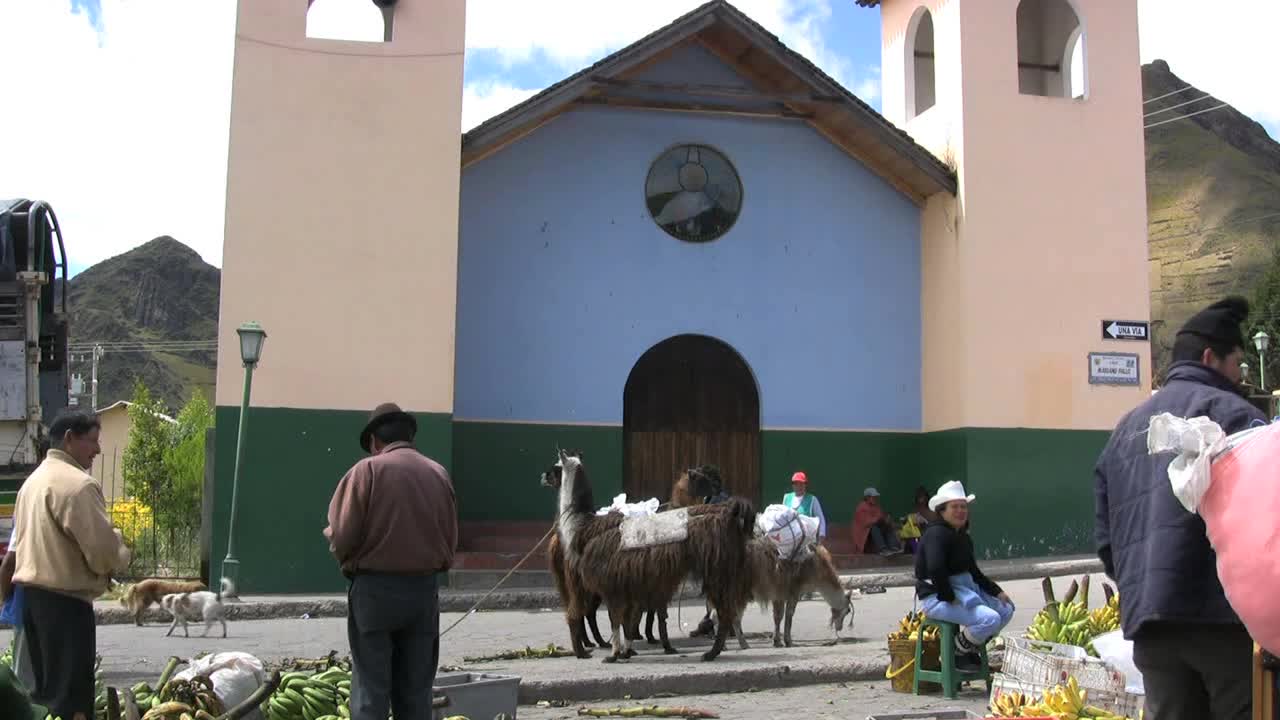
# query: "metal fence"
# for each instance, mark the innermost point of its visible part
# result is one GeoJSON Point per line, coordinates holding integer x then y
{"type": "Point", "coordinates": [169, 550]}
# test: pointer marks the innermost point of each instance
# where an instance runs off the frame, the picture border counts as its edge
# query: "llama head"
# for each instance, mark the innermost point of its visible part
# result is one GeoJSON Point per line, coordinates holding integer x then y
{"type": "Point", "coordinates": [552, 476]}
{"type": "Point", "coordinates": [843, 612]}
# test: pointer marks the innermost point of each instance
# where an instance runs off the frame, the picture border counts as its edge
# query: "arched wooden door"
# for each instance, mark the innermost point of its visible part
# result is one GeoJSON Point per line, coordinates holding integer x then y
{"type": "Point", "coordinates": [690, 400]}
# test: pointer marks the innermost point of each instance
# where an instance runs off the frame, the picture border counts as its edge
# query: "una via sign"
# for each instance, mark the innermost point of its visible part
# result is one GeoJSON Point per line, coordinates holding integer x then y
{"type": "Point", "coordinates": [1113, 369]}
{"type": "Point", "coordinates": [1125, 330]}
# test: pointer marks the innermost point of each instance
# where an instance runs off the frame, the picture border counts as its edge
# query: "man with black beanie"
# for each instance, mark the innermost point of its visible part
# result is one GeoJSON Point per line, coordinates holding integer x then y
{"type": "Point", "coordinates": [1193, 651]}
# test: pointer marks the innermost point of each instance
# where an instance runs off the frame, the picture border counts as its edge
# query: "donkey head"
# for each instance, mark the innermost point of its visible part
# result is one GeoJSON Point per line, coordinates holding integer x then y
{"type": "Point", "coordinates": [840, 614]}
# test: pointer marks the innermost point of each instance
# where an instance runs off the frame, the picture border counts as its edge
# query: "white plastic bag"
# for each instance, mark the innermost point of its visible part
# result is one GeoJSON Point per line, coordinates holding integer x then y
{"type": "Point", "coordinates": [791, 533]}
{"type": "Point", "coordinates": [1117, 652]}
{"type": "Point", "coordinates": [235, 676]}
{"type": "Point", "coordinates": [1196, 440]}
{"type": "Point", "coordinates": [620, 504]}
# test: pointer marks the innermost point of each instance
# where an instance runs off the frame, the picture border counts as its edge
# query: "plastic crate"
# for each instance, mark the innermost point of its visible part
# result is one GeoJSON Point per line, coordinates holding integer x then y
{"type": "Point", "coordinates": [1052, 663]}
{"type": "Point", "coordinates": [477, 695]}
{"type": "Point", "coordinates": [1123, 703]}
{"type": "Point", "coordinates": [929, 715]}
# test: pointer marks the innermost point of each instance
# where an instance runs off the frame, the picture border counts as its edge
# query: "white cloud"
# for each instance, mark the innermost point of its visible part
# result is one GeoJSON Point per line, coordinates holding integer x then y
{"type": "Point", "coordinates": [574, 33]}
{"type": "Point", "coordinates": [126, 134]}
{"type": "Point", "coordinates": [1223, 48]}
{"type": "Point", "coordinates": [483, 100]}
{"type": "Point", "coordinates": [868, 89]}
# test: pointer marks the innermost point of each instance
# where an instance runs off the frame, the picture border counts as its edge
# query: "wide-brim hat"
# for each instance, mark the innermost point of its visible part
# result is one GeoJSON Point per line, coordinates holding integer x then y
{"type": "Point", "coordinates": [949, 491]}
{"type": "Point", "coordinates": [384, 413]}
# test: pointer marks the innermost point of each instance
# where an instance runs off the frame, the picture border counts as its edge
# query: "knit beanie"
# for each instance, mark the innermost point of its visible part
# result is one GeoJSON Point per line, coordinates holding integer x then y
{"type": "Point", "coordinates": [1220, 322]}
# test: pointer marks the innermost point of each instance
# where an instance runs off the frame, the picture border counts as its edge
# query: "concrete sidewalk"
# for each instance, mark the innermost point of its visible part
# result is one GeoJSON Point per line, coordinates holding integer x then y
{"type": "Point", "coordinates": [269, 607]}
{"type": "Point", "coordinates": [132, 654]}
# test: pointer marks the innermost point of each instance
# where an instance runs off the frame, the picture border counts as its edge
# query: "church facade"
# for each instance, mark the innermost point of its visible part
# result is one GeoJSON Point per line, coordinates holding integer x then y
{"type": "Point", "coordinates": [700, 249]}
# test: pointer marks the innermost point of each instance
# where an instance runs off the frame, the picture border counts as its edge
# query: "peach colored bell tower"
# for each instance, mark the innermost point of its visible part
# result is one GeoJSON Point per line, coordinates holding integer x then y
{"type": "Point", "coordinates": [1037, 104]}
{"type": "Point", "coordinates": [342, 208]}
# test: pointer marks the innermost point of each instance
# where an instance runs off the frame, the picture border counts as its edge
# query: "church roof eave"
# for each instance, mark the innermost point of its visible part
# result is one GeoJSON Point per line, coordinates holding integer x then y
{"type": "Point", "coordinates": [811, 95]}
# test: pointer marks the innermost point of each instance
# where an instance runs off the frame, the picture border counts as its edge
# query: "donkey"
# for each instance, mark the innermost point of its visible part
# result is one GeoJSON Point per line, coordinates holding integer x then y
{"type": "Point", "coordinates": [781, 583]}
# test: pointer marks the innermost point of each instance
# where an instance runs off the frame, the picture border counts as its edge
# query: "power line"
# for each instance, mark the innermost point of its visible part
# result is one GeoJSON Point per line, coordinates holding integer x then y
{"type": "Point", "coordinates": [1175, 107]}
{"type": "Point", "coordinates": [1184, 117]}
{"type": "Point", "coordinates": [1168, 94]}
{"type": "Point", "coordinates": [145, 345]}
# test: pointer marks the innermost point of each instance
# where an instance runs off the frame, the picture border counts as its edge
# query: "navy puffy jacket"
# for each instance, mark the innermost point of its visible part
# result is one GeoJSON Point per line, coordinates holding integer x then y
{"type": "Point", "coordinates": [1154, 549]}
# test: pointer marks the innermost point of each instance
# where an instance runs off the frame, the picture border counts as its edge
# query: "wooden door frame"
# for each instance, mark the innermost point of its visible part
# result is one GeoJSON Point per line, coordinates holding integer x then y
{"type": "Point", "coordinates": [730, 365]}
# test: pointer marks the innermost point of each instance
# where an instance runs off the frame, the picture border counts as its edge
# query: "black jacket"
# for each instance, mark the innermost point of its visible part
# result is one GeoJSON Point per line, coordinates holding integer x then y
{"type": "Point", "coordinates": [943, 552]}
{"type": "Point", "coordinates": [1154, 549]}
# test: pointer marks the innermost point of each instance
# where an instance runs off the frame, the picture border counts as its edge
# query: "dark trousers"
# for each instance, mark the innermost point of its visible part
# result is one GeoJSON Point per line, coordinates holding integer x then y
{"type": "Point", "coordinates": [393, 626]}
{"type": "Point", "coordinates": [61, 636]}
{"type": "Point", "coordinates": [1196, 671]}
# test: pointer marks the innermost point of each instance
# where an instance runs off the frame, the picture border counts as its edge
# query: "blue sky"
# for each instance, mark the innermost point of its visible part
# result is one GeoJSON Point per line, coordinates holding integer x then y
{"type": "Point", "coordinates": [138, 91]}
{"type": "Point", "coordinates": [851, 33]}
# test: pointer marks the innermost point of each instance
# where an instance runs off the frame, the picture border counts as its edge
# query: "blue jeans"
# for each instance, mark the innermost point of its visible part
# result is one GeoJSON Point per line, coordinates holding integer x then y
{"type": "Point", "coordinates": [982, 614]}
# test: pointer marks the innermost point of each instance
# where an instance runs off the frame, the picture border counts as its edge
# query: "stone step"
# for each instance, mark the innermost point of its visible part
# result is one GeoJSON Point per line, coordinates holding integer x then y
{"type": "Point", "coordinates": [485, 580]}
{"type": "Point", "coordinates": [500, 562]}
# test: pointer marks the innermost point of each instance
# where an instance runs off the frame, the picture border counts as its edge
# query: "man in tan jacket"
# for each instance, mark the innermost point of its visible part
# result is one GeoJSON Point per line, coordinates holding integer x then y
{"type": "Point", "coordinates": [66, 550]}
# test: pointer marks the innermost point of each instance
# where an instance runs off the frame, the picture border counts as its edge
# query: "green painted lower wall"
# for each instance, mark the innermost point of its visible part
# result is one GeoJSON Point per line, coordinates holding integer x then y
{"type": "Point", "coordinates": [291, 462]}
{"type": "Point", "coordinates": [498, 467]}
{"type": "Point", "coordinates": [1034, 487]}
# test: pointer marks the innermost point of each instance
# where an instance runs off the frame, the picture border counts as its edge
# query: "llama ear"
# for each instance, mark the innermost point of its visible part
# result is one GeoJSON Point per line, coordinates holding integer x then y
{"type": "Point", "coordinates": [560, 452]}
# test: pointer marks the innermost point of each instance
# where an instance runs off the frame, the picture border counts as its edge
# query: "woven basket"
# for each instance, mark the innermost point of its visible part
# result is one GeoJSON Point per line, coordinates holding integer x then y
{"type": "Point", "coordinates": [901, 672]}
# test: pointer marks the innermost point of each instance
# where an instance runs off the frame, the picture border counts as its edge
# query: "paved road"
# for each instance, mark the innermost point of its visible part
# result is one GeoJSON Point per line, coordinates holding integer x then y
{"type": "Point", "coordinates": [131, 653]}
{"type": "Point", "coordinates": [845, 701]}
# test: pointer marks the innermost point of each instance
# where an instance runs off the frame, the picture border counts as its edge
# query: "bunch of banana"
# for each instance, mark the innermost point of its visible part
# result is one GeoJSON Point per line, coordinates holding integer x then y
{"type": "Point", "coordinates": [197, 693]}
{"type": "Point", "coordinates": [1067, 702]}
{"type": "Point", "coordinates": [1010, 705]}
{"type": "Point", "coordinates": [144, 696]}
{"type": "Point", "coordinates": [325, 695]}
{"type": "Point", "coordinates": [1104, 619]}
{"type": "Point", "coordinates": [909, 628]}
{"type": "Point", "coordinates": [1067, 624]}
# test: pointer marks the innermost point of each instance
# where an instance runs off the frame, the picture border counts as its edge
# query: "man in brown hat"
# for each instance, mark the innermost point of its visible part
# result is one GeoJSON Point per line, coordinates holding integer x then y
{"type": "Point", "coordinates": [393, 527]}
{"type": "Point", "coordinates": [1192, 649]}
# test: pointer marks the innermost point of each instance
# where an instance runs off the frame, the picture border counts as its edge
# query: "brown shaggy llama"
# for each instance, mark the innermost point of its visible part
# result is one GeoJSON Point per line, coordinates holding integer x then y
{"type": "Point", "coordinates": [590, 603]}
{"type": "Point", "coordinates": [697, 486]}
{"type": "Point", "coordinates": [781, 583]}
{"type": "Point", "coordinates": [632, 580]}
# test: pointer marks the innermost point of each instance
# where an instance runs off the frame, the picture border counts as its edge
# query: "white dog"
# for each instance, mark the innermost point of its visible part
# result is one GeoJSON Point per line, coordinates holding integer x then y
{"type": "Point", "coordinates": [202, 605]}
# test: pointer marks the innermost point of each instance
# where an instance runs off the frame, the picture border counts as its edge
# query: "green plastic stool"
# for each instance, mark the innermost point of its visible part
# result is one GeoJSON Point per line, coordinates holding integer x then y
{"type": "Point", "coordinates": [949, 676]}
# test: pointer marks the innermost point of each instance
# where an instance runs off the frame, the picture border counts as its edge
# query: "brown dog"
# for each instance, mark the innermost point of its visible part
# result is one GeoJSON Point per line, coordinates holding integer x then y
{"type": "Point", "coordinates": [143, 594]}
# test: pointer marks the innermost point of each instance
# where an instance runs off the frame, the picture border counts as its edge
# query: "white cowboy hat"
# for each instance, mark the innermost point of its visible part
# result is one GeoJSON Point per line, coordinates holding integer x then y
{"type": "Point", "coordinates": [949, 491]}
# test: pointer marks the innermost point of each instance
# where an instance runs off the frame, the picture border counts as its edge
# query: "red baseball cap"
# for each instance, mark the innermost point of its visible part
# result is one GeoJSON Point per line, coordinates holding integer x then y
{"type": "Point", "coordinates": [800, 477]}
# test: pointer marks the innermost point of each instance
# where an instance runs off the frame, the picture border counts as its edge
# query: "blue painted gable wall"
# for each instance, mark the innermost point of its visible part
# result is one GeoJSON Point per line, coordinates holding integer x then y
{"type": "Point", "coordinates": [565, 281]}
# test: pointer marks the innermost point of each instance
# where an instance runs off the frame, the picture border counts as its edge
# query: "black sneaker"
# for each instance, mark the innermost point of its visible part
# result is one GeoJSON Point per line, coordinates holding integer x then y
{"type": "Point", "coordinates": [968, 661]}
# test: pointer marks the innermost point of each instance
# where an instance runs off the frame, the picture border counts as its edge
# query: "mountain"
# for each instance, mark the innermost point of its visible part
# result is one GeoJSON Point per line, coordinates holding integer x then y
{"type": "Point", "coordinates": [1213, 203]}
{"type": "Point", "coordinates": [159, 292]}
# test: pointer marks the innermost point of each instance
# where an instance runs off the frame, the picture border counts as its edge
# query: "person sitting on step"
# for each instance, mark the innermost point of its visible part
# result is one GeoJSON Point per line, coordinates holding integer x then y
{"type": "Point", "coordinates": [873, 530]}
{"type": "Point", "coordinates": [805, 504]}
{"type": "Point", "coordinates": [949, 584]}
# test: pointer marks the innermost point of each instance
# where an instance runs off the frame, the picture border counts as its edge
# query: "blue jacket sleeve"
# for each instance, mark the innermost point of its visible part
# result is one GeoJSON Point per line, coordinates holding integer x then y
{"type": "Point", "coordinates": [1102, 519]}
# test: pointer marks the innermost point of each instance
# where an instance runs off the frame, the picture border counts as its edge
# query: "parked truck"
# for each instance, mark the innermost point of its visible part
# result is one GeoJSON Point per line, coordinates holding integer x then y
{"type": "Point", "coordinates": [34, 382]}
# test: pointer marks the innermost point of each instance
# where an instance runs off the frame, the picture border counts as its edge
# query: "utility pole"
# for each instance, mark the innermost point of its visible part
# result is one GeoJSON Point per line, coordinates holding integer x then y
{"type": "Point", "coordinates": [93, 392]}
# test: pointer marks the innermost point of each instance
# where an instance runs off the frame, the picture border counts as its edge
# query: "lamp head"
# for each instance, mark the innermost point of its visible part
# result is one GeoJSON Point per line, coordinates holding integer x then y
{"type": "Point", "coordinates": [252, 338]}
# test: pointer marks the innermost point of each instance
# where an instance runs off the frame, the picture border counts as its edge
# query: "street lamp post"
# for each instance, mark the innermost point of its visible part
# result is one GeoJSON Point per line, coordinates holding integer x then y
{"type": "Point", "coordinates": [252, 338]}
{"type": "Point", "coordinates": [1260, 341]}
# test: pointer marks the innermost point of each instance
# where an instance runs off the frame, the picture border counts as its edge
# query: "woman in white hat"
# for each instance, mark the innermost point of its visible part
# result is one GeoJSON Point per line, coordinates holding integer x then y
{"type": "Point", "coordinates": [949, 583]}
